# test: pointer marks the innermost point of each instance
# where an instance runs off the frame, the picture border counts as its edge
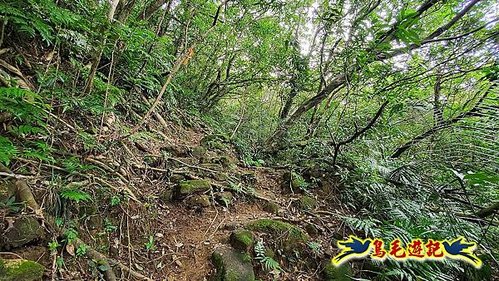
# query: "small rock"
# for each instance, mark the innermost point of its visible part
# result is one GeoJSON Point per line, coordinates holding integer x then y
{"type": "Point", "coordinates": [202, 200]}
{"type": "Point", "coordinates": [24, 230]}
{"type": "Point", "coordinates": [20, 270]}
{"type": "Point", "coordinates": [188, 187]}
{"type": "Point", "coordinates": [231, 265]}
{"type": "Point", "coordinates": [241, 240]}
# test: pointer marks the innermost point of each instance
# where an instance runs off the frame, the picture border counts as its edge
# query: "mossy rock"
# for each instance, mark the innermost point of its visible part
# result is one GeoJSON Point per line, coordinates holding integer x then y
{"type": "Point", "coordinates": [333, 273]}
{"type": "Point", "coordinates": [271, 207]}
{"type": "Point", "coordinates": [290, 236]}
{"type": "Point", "coordinates": [199, 200]}
{"type": "Point", "coordinates": [307, 203]}
{"type": "Point", "coordinates": [20, 270]}
{"type": "Point", "coordinates": [241, 240]}
{"type": "Point", "coordinates": [24, 230]}
{"type": "Point", "coordinates": [232, 265]}
{"type": "Point", "coordinates": [187, 187]}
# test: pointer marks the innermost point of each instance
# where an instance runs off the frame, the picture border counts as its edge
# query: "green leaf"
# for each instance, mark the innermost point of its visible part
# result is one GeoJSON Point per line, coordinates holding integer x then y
{"type": "Point", "coordinates": [75, 195]}
{"type": "Point", "coordinates": [7, 150]}
{"type": "Point", "coordinates": [481, 178]}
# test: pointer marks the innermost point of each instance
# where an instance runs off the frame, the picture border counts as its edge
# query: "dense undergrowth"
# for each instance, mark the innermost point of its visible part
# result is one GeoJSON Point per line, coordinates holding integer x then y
{"type": "Point", "coordinates": [412, 138]}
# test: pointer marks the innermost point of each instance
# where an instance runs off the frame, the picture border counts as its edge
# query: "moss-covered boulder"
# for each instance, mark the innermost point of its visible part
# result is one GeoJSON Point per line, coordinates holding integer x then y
{"type": "Point", "coordinates": [20, 270]}
{"type": "Point", "coordinates": [187, 187]}
{"type": "Point", "coordinates": [306, 203]}
{"type": "Point", "coordinates": [241, 240]}
{"type": "Point", "coordinates": [331, 272]}
{"type": "Point", "coordinates": [232, 265]}
{"type": "Point", "coordinates": [199, 200]}
{"type": "Point", "coordinates": [271, 207]}
{"type": "Point", "coordinates": [24, 230]}
{"type": "Point", "coordinates": [289, 236]}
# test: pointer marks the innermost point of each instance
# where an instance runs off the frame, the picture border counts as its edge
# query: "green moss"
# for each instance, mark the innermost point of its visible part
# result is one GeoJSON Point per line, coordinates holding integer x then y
{"type": "Point", "coordinates": [187, 187]}
{"type": "Point", "coordinates": [294, 182]}
{"type": "Point", "coordinates": [20, 270]}
{"type": "Point", "coordinates": [241, 240]}
{"type": "Point", "coordinates": [291, 235]}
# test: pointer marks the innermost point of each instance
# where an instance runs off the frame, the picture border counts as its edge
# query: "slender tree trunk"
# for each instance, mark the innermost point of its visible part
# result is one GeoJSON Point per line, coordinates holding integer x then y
{"type": "Point", "coordinates": [95, 63]}
{"type": "Point", "coordinates": [340, 79]}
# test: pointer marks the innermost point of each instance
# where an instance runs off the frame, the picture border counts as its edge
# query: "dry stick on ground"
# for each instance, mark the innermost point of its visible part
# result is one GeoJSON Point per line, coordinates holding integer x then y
{"type": "Point", "coordinates": [156, 114]}
{"type": "Point", "coordinates": [91, 177]}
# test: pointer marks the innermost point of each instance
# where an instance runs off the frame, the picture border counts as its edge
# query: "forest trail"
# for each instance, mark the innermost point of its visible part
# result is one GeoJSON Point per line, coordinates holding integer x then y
{"type": "Point", "coordinates": [169, 237]}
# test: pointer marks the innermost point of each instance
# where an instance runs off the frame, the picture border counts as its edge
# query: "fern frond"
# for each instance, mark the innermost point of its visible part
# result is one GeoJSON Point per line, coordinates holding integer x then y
{"type": "Point", "coordinates": [75, 195]}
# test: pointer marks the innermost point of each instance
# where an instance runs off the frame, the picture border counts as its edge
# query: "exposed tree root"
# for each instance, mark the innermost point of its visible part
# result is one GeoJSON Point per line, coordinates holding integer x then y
{"type": "Point", "coordinates": [24, 194]}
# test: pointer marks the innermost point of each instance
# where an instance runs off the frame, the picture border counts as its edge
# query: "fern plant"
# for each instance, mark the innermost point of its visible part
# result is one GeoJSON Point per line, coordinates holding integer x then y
{"type": "Point", "coordinates": [7, 150]}
{"type": "Point", "coordinates": [268, 263]}
{"type": "Point", "coordinates": [75, 195]}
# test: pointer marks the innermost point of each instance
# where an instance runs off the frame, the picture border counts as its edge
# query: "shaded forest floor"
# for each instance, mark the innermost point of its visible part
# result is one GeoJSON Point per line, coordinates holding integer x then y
{"type": "Point", "coordinates": [138, 218]}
